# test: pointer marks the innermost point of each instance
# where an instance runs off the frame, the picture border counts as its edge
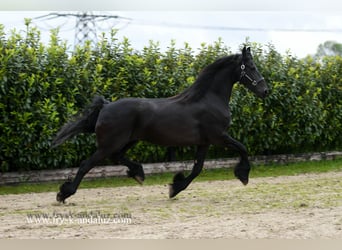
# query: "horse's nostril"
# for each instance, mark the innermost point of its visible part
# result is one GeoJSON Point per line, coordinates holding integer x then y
{"type": "Point", "coordinates": [266, 92]}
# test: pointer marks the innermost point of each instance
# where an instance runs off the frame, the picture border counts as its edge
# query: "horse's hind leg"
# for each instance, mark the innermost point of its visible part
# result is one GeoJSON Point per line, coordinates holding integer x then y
{"type": "Point", "coordinates": [70, 187]}
{"type": "Point", "coordinates": [135, 169]}
{"type": "Point", "coordinates": [180, 182]}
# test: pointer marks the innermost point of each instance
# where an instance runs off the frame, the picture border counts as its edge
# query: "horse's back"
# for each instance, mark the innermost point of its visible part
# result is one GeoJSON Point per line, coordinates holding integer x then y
{"type": "Point", "coordinates": [127, 116]}
{"type": "Point", "coordinates": [156, 120]}
{"type": "Point", "coordinates": [123, 109]}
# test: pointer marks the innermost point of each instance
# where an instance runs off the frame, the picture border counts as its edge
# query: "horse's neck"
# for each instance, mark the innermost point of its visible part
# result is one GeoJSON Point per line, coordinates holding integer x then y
{"type": "Point", "coordinates": [222, 85]}
{"type": "Point", "coordinates": [218, 84]}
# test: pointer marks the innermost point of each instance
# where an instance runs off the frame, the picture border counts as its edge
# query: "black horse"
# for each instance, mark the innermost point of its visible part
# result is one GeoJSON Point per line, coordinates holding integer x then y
{"type": "Point", "coordinates": [198, 116]}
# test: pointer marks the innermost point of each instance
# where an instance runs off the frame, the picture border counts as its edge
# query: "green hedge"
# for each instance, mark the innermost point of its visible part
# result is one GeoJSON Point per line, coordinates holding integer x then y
{"type": "Point", "coordinates": [42, 86]}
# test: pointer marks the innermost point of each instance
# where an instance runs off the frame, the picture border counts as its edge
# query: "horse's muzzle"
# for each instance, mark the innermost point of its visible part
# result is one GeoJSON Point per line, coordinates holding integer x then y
{"type": "Point", "coordinates": [265, 93]}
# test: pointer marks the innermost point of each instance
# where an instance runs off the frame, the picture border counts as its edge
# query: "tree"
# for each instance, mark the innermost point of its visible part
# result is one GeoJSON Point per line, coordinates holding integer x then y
{"type": "Point", "coordinates": [329, 48]}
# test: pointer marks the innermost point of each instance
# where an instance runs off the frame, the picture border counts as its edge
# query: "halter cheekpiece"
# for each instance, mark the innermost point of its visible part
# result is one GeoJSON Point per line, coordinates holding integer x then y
{"type": "Point", "coordinates": [244, 74]}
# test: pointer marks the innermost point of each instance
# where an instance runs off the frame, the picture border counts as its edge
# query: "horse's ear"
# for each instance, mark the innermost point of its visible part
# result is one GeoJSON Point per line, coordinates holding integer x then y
{"type": "Point", "coordinates": [244, 51]}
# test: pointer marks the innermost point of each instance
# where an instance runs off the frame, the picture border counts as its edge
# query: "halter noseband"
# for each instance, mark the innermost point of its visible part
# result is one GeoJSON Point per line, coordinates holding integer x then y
{"type": "Point", "coordinates": [244, 74]}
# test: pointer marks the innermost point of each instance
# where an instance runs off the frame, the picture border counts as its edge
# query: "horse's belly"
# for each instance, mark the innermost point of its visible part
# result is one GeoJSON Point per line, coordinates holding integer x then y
{"type": "Point", "coordinates": [173, 133]}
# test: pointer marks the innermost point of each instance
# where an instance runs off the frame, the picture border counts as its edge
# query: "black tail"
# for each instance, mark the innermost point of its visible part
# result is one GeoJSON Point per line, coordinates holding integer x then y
{"type": "Point", "coordinates": [83, 124]}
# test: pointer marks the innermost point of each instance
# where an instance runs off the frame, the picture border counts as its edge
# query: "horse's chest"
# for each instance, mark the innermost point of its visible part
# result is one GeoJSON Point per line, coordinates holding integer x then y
{"type": "Point", "coordinates": [216, 117]}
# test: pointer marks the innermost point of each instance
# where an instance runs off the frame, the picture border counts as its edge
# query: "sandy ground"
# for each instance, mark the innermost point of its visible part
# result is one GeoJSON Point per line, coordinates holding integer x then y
{"type": "Point", "coordinates": [297, 207]}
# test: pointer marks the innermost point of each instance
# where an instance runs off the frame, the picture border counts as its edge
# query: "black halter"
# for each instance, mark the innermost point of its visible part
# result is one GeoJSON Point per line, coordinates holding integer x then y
{"type": "Point", "coordinates": [244, 74]}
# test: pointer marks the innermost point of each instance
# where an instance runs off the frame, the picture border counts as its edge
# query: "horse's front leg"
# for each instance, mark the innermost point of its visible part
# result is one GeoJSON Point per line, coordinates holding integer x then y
{"type": "Point", "coordinates": [180, 182]}
{"type": "Point", "coordinates": [242, 169]}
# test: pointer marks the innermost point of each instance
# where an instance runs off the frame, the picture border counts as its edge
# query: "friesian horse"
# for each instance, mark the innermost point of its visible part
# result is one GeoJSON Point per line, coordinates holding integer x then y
{"type": "Point", "coordinates": [199, 116]}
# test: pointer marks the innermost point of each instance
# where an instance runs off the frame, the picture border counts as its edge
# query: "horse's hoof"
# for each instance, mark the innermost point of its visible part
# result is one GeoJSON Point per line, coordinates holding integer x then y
{"type": "Point", "coordinates": [139, 179]}
{"type": "Point", "coordinates": [178, 184]}
{"type": "Point", "coordinates": [242, 174]}
{"type": "Point", "coordinates": [174, 189]}
{"type": "Point", "coordinates": [171, 191]}
{"type": "Point", "coordinates": [60, 198]}
{"type": "Point", "coordinates": [244, 182]}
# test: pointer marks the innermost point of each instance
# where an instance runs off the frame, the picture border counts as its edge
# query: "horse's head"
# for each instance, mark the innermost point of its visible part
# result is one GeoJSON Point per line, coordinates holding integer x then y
{"type": "Point", "coordinates": [250, 76]}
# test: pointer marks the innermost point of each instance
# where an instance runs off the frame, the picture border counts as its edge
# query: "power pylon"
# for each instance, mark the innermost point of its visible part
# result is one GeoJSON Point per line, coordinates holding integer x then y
{"type": "Point", "coordinates": [86, 24]}
{"type": "Point", "coordinates": [85, 29]}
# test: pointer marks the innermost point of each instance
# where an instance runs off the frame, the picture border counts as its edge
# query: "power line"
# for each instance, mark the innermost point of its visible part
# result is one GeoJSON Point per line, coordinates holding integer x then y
{"type": "Point", "coordinates": [81, 14]}
{"type": "Point", "coordinates": [86, 25]}
{"type": "Point", "coordinates": [229, 28]}
{"type": "Point", "coordinates": [131, 21]}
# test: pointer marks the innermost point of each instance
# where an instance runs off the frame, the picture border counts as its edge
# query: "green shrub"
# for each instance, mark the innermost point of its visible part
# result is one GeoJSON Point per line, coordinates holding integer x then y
{"type": "Point", "coordinates": [42, 86]}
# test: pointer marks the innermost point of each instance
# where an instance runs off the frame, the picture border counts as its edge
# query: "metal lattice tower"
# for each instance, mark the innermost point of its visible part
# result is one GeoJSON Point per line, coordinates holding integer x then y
{"type": "Point", "coordinates": [85, 29]}
{"type": "Point", "coordinates": [87, 24]}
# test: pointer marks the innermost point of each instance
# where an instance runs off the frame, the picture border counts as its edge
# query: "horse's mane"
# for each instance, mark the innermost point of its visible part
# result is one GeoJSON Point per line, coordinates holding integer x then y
{"type": "Point", "coordinates": [198, 89]}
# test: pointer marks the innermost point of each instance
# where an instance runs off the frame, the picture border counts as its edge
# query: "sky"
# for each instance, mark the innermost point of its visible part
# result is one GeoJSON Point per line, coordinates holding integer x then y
{"type": "Point", "coordinates": [299, 30]}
